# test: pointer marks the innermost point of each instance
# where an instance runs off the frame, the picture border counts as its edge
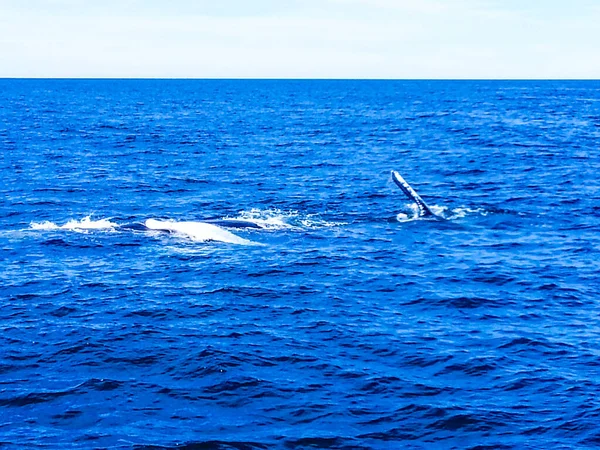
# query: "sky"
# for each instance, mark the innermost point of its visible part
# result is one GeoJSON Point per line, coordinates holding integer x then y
{"type": "Point", "coordinates": [390, 39]}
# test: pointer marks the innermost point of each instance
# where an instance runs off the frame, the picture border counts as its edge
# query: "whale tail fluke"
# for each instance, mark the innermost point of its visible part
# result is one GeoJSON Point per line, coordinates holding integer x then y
{"type": "Point", "coordinates": [424, 210]}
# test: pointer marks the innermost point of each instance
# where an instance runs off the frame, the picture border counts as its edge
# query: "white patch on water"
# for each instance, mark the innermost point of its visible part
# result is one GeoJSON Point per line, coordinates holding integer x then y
{"type": "Point", "coordinates": [409, 216]}
{"type": "Point", "coordinates": [276, 219]}
{"type": "Point", "coordinates": [313, 221]}
{"type": "Point", "coordinates": [88, 224]}
{"type": "Point", "coordinates": [270, 219]}
{"type": "Point", "coordinates": [440, 211]}
{"type": "Point", "coordinates": [76, 225]}
{"type": "Point", "coordinates": [45, 225]}
{"type": "Point", "coordinates": [459, 213]}
{"type": "Point", "coordinates": [198, 231]}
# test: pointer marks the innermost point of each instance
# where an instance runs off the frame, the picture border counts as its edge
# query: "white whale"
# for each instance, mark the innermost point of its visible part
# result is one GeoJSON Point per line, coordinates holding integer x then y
{"type": "Point", "coordinates": [197, 231]}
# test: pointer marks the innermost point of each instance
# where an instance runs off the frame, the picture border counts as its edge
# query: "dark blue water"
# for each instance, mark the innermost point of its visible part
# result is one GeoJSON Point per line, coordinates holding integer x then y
{"type": "Point", "coordinates": [344, 321]}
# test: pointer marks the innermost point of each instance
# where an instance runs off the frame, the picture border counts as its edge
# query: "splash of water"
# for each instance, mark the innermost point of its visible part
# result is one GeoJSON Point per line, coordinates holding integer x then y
{"type": "Point", "coordinates": [76, 225]}
{"type": "Point", "coordinates": [276, 219]}
{"type": "Point", "coordinates": [440, 211]}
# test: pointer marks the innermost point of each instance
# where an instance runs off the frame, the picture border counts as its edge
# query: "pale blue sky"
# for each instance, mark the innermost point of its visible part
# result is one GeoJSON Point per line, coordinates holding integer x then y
{"type": "Point", "coordinates": [300, 38]}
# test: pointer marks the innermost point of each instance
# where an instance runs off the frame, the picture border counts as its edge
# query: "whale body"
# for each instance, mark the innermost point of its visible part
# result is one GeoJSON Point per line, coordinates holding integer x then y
{"type": "Point", "coordinates": [197, 231]}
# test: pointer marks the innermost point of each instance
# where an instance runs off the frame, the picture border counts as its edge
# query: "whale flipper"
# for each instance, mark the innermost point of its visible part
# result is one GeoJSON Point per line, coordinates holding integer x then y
{"type": "Point", "coordinates": [424, 210]}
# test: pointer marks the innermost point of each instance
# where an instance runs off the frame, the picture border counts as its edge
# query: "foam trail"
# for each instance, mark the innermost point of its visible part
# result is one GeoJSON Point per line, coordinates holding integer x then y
{"type": "Point", "coordinates": [45, 225]}
{"type": "Point", "coordinates": [75, 225]}
{"type": "Point", "coordinates": [87, 224]}
{"type": "Point", "coordinates": [271, 219]}
{"type": "Point", "coordinates": [198, 231]}
{"type": "Point", "coordinates": [440, 211]}
{"type": "Point", "coordinates": [276, 219]}
{"type": "Point", "coordinates": [459, 213]}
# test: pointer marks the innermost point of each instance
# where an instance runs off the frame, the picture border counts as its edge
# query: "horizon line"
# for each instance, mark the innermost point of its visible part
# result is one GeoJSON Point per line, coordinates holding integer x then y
{"type": "Point", "coordinates": [291, 78]}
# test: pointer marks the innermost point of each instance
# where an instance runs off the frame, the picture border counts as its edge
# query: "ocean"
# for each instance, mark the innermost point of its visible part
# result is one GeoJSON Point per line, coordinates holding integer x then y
{"type": "Point", "coordinates": [341, 319]}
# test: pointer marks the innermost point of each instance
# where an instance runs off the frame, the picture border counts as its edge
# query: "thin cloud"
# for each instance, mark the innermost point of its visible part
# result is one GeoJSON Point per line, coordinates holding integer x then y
{"type": "Point", "coordinates": [418, 6]}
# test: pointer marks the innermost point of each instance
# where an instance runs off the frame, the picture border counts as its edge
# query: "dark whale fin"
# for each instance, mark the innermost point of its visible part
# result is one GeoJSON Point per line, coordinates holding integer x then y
{"type": "Point", "coordinates": [424, 210]}
{"type": "Point", "coordinates": [233, 223]}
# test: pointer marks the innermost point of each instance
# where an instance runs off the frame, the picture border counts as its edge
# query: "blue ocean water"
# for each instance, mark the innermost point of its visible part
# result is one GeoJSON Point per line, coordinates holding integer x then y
{"type": "Point", "coordinates": [344, 320]}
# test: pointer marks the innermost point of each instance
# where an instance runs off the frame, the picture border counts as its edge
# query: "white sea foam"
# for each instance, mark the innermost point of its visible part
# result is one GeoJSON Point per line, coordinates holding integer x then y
{"type": "Point", "coordinates": [45, 225]}
{"type": "Point", "coordinates": [197, 231]}
{"type": "Point", "coordinates": [459, 213]}
{"type": "Point", "coordinates": [408, 216]}
{"type": "Point", "coordinates": [276, 219]}
{"type": "Point", "coordinates": [438, 210]}
{"type": "Point", "coordinates": [270, 219]}
{"type": "Point", "coordinates": [88, 224]}
{"type": "Point", "coordinates": [441, 211]}
{"type": "Point", "coordinates": [75, 225]}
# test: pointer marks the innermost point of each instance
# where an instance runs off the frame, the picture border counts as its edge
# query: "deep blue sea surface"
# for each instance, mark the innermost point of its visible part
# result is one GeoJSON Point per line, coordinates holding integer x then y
{"type": "Point", "coordinates": [343, 320]}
